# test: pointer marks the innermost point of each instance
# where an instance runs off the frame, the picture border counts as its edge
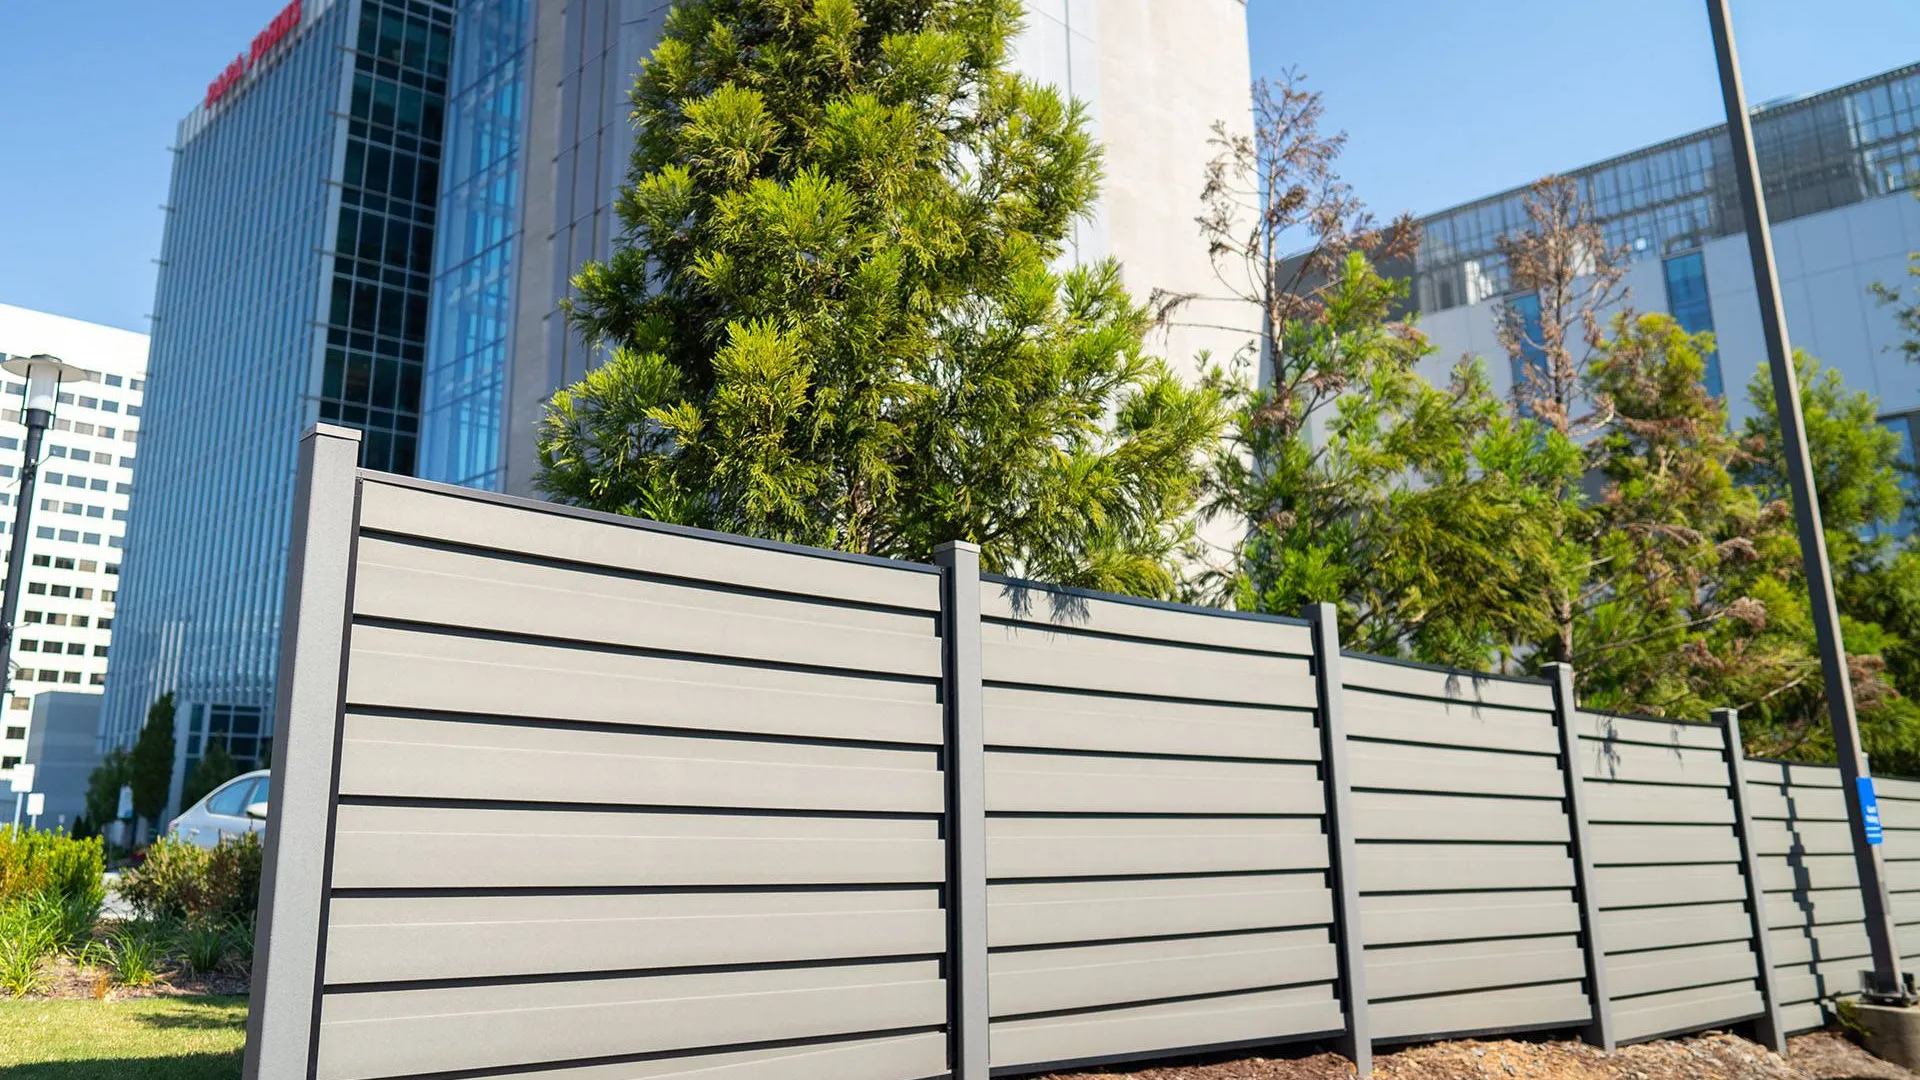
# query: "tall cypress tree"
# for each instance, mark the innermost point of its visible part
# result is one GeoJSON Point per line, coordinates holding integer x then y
{"type": "Point", "coordinates": [152, 760]}
{"type": "Point", "coordinates": [837, 314]}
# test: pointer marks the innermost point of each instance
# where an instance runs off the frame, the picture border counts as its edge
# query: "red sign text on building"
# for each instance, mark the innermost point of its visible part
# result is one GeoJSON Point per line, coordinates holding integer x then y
{"type": "Point", "coordinates": [263, 43]}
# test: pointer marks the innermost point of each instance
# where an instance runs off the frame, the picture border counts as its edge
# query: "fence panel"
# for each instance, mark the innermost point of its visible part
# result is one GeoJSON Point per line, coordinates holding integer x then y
{"type": "Point", "coordinates": [1812, 889]}
{"type": "Point", "coordinates": [1156, 847]}
{"type": "Point", "coordinates": [1467, 882]}
{"type": "Point", "coordinates": [607, 792]}
{"type": "Point", "coordinates": [1668, 875]}
{"type": "Point", "coordinates": [1900, 819]}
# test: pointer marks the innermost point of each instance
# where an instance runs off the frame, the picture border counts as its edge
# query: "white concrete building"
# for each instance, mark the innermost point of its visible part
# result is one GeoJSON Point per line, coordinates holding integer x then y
{"type": "Point", "coordinates": [1839, 169]}
{"type": "Point", "coordinates": [72, 577]}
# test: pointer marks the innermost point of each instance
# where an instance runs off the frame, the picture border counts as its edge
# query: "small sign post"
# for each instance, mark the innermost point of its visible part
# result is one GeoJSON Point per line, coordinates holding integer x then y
{"type": "Point", "coordinates": [22, 783]}
{"type": "Point", "coordinates": [36, 805]}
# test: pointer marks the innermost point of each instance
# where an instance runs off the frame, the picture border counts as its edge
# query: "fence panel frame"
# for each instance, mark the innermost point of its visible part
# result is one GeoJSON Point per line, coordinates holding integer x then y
{"type": "Point", "coordinates": [283, 1015]}
{"type": "Point", "coordinates": [1357, 1043]}
{"type": "Point", "coordinates": [968, 1018]}
{"type": "Point", "coordinates": [1769, 1029]}
{"type": "Point", "coordinates": [1600, 1033]}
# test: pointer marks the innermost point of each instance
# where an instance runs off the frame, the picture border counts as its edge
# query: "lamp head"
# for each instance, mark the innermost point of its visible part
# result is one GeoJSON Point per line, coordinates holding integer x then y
{"type": "Point", "coordinates": [44, 374]}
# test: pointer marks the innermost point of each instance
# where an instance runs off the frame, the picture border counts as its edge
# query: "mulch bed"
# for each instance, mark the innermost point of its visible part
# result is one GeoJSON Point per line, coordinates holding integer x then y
{"type": "Point", "coordinates": [1713, 1056]}
{"type": "Point", "coordinates": [65, 979]}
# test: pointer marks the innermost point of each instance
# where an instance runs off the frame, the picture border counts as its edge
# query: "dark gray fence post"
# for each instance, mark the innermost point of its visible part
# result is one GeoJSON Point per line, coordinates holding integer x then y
{"type": "Point", "coordinates": [284, 1009]}
{"type": "Point", "coordinates": [1771, 1031]}
{"type": "Point", "coordinates": [1339, 780]}
{"type": "Point", "coordinates": [968, 1016]}
{"type": "Point", "coordinates": [1600, 1033]}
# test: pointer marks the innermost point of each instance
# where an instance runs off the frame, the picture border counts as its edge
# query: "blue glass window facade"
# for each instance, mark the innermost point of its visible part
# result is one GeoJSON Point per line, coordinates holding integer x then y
{"type": "Point", "coordinates": [1687, 301]}
{"type": "Point", "coordinates": [1527, 305]}
{"type": "Point", "coordinates": [296, 265]}
{"type": "Point", "coordinates": [477, 260]}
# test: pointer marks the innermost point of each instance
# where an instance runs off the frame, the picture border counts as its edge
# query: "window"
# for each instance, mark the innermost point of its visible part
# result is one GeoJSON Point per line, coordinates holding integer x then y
{"type": "Point", "coordinates": [34, 616]}
{"type": "Point", "coordinates": [47, 675]}
{"type": "Point", "coordinates": [113, 380]}
{"type": "Point", "coordinates": [1688, 301]}
{"type": "Point", "coordinates": [63, 425]}
{"type": "Point", "coordinates": [109, 594]}
{"type": "Point", "coordinates": [109, 405]}
{"type": "Point", "coordinates": [42, 560]}
{"type": "Point", "coordinates": [8, 762]}
{"type": "Point", "coordinates": [98, 678]}
{"type": "Point", "coordinates": [104, 624]}
{"type": "Point", "coordinates": [58, 590]}
{"type": "Point", "coordinates": [72, 508]}
{"type": "Point", "coordinates": [96, 511]}
{"type": "Point", "coordinates": [99, 485]}
{"type": "Point", "coordinates": [91, 538]}
{"type": "Point", "coordinates": [20, 703]}
{"type": "Point", "coordinates": [133, 410]}
{"type": "Point", "coordinates": [43, 532]}
{"type": "Point", "coordinates": [66, 399]}
{"type": "Point", "coordinates": [75, 648]}
{"type": "Point", "coordinates": [63, 563]}
{"type": "Point", "coordinates": [137, 384]}
{"type": "Point", "coordinates": [89, 403]}
{"type": "Point", "coordinates": [71, 536]}
{"type": "Point", "coordinates": [105, 432]}
{"type": "Point", "coordinates": [126, 463]}
{"type": "Point", "coordinates": [88, 566]}
{"type": "Point", "coordinates": [76, 481]}
{"type": "Point", "coordinates": [123, 489]}
{"type": "Point", "coordinates": [16, 733]}
{"type": "Point", "coordinates": [8, 442]}
{"type": "Point", "coordinates": [37, 588]}
{"type": "Point", "coordinates": [72, 677]}
{"type": "Point", "coordinates": [82, 593]}
{"type": "Point", "coordinates": [54, 618]}
{"type": "Point", "coordinates": [113, 568]}
{"type": "Point", "coordinates": [99, 650]}
{"type": "Point", "coordinates": [29, 645]}
{"type": "Point", "coordinates": [232, 799]}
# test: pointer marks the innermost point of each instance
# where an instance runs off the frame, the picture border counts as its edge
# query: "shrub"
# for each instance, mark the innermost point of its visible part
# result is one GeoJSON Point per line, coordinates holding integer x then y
{"type": "Point", "coordinates": [203, 945]}
{"type": "Point", "coordinates": [137, 952]}
{"type": "Point", "coordinates": [34, 861]}
{"type": "Point", "coordinates": [189, 883]}
{"type": "Point", "coordinates": [26, 939]}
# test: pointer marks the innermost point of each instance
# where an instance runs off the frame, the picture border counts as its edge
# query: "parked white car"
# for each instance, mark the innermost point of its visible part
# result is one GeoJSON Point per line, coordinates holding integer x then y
{"type": "Point", "coordinates": [235, 807]}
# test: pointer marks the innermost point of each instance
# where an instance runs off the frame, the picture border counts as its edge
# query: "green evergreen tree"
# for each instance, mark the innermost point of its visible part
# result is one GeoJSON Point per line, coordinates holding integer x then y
{"type": "Point", "coordinates": [835, 314]}
{"type": "Point", "coordinates": [103, 787]}
{"type": "Point", "coordinates": [152, 761]}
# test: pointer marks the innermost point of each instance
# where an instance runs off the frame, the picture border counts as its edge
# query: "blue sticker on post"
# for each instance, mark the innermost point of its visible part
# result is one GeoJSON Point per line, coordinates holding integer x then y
{"type": "Point", "coordinates": [1869, 808]}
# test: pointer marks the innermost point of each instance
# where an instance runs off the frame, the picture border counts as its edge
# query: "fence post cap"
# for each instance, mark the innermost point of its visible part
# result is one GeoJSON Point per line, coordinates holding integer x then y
{"type": "Point", "coordinates": [957, 545]}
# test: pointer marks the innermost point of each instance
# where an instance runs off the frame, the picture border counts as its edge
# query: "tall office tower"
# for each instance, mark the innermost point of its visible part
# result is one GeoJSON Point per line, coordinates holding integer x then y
{"type": "Point", "coordinates": [1839, 169]}
{"type": "Point", "coordinates": [67, 604]}
{"type": "Point", "coordinates": [293, 288]}
{"type": "Point", "coordinates": [538, 139]}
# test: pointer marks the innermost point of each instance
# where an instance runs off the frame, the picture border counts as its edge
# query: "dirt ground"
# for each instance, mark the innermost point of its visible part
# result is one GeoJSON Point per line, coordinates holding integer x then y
{"type": "Point", "coordinates": [1713, 1056]}
{"type": "Point", "coordinates": [65, 979]}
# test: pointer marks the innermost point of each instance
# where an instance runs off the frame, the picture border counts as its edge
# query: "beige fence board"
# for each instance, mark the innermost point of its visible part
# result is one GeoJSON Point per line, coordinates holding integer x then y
{"type": "Point", "coordinates": [1652, 886]}
{"type": "Point", "coordinates": [1064, 783]}
{"type": "Point", "coordinates": [1387, 867]}
{"type": "Point", "coordinates": [401, 1032]}
{"type": "Point", "coordinates": [400, 847]}
{"type": "Point", "coordinates": [1463, 688]}
{"type": "Point", "coordinates": [894, 1057]}
{"type": "Point", "coordinates": [1073, 661]}
{"type": "Point", "coordinates": [1085, 847]}
{"type": "Point", "coordinates": [1631, 930]}
{"type": "Point", "coordinates": [1818, 872]}
{"type": "Point", "coordinates": [1032, 604]}
{"type": "Point", "coordinates": [1443, 770]}
{"type": "Point", "coordinates": [1651, 804]}
{"type": "Point", "coordinates": [1661, 970]}
{"type": "Point", "coordinates": [1685, 1010]}
{"type": "Point", "coordinates": [1652, 764]}
{"type": "Point", "coordinates": [1472, 965]}
{"type": "Point", "coordinates": [1634, 845]}
{"type": "Point", "coordinates": [408, 670]}
{"type": "Point", "coordinates": [374, 939]}
{"type": "Point", "coordinates": [1442, 723]}
{"type": "Point", "coordinates": [410, 583]}
{"type": "Point", "coordinates": [1423, 919]}
{"type": "Point", "coordinates": [1387, 816]}
{"type": "Point", "coordinates": [1036, 913]}
{"type": "Point", "coordinates": [1811, 837]}
{"type": "Point", "coordinates": [1261, 1016]}
{"type": "Point", "coordinates": [438, 759]}
{"type": "Point", "coordinates": [1059, 720]}
{"type": "Point", "coordinates": [1829, 906]}
{"type": "Point", "coordinates": [482, 524]}
{"type": "Point", "coordinates": [1049, 980]}
{"type": "Point", "coordinates": [1527, 1006]}
{"type": "Point", "coordinates": [1664, 733]}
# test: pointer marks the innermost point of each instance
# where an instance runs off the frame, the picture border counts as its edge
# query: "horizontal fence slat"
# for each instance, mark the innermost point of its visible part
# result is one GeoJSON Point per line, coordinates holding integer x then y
{"type": "Point", "coordinates": [1634, 974]}
{"type": "Point", "coordinates": [1670, 733]}
{"type": "Point", "coordinates": [1085, 847]}
{"type": "Point", "coordinates": [378, 939]}
{"type": "Point", "coordinates": [1611, 803]}
{"type": "Point", "coordinates": [402, 1032]}
{"type": "Point", "coordinates": [1642, 764]}
{"type": "Point", "coordinates": [1486, 1010]}
{"type": "Point", "coordinates": [1651, 886]}
{"type": "Point", "coordinates": [1685, 1010]}
{"type": "Point", "coordinates": [1632, 930]}
{"type": "Point", "coordinates": [1062, 720]}
{"type": "Point", "coordinates": [408, 670]}
{"type": "Point", "coordinates": [1472, 965]}
{"type": "Point", "coordinates": [1049, 980]}
{"type": "Point", "coordinates": [1031, 656]}
{"type": "Point", "coordinates": [1629, 845]}
{"type": "Point", "coordinates": [1388, 816]}
{"type": "Point", "coordinates": [1036, 604]}
{"type": "Point", "coordinates": [411, 583]}
{"type": "Point", "coordinates": [1037, 913]}
{"type": "Point", "coordinates": [399, 847]}
{"type": "Point", "coordinates": [1445, 770]}
{"type": "Point", "coordinates": [1063, 783]}
{"type": "Point", "coordinates": [535, 527]}
{"type": "Point", "coordinates": [1463, 688]}
{"type": "Point", "coordinates": [410, 757]}
{"type": "Point", "coordinates": [1265, 1015]}
{"type": "Point", "coordinates": [1388, 867]}
{"type": "Point", "coordinates": [1420, 919]}
{"type": "Point", "coordinates": [1447, 723]}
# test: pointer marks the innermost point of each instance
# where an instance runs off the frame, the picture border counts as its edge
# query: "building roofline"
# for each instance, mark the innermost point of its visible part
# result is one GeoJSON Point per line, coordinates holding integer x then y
{"type": "Point", "coordinates": [1767, 108]}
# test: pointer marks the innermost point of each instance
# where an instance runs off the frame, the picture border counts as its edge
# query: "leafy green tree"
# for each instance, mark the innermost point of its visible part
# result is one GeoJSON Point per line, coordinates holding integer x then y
{"type": "Point", "coordinates": [214, 768]}
{"type": "Point", "coordinates": [835, 315]}
{"type": "Point", "coordinates": [1856, 469]}
{"type": "Point", "coordinates": [103, 787]}
{"type": "Point", "coordinates": [152, 761]}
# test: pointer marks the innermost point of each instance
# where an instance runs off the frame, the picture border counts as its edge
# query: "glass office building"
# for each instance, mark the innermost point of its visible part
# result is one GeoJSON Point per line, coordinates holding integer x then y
{"type": "Point", "coordinates": [295, 273]}
{"type": "Point", "coordinates": [477, 258]}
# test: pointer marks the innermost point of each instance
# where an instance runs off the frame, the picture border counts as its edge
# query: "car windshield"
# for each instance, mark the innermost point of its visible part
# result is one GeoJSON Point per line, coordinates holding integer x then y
{"type": "Point", "coordinates": [232, 799]}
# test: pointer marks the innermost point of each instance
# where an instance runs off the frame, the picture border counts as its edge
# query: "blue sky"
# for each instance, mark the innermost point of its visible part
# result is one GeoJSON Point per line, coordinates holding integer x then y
{"type": "Point", "coordinates": [1444, 102]}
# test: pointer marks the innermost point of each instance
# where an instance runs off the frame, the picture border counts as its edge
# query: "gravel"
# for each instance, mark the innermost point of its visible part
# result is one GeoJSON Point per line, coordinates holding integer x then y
{"type": "Point", "coordinates": [1712, 1056]}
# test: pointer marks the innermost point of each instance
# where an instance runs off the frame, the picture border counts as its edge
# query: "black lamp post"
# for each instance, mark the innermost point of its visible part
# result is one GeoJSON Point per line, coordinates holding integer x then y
{"type": "Point", "coordinates": [44, 375]}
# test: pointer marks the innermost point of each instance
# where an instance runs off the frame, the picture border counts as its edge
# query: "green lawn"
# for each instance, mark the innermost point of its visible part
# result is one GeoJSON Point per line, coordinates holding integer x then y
{"type": "Point", "coordinates": [197, 1038]}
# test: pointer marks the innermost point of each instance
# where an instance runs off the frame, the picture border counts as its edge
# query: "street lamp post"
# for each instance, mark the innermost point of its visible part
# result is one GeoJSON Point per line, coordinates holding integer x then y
{"type": "Point", "coordinates": [44, 375]}
{"type": "Point", "coordinates": [1885, 982]}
